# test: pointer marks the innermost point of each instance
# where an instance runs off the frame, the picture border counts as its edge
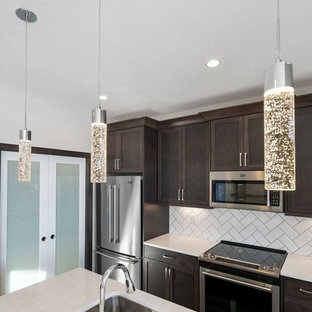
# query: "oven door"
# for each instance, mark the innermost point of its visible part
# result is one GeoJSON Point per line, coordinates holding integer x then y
{"type": "Point", "coordinates": [222, 292]}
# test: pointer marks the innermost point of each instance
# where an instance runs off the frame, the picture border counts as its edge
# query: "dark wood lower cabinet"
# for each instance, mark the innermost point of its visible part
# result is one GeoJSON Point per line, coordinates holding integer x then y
{"type": "Point", "coordinates": [172, 276]}
{"type": "Point", "coordinates": [297, 295]}
{"type": "Point", "coordinates": [155, 281]}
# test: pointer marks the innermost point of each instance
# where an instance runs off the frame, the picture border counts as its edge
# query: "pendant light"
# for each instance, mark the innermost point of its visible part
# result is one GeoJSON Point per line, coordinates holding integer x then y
{"type": "Point", "coordinates": [279, 122]}
{"type": "Point", "coordinates": [99, 130]}
{"type": "Point", "coordinates": [24, 146]}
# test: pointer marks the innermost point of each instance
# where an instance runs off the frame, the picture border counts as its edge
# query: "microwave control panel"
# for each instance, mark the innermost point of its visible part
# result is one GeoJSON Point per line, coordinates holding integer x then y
{"type": "Point", "coordinates": [274, 198]}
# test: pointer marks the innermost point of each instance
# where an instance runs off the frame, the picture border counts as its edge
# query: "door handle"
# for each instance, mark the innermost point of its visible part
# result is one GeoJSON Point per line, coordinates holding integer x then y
{"type": "Point", "coordinates": [240, 159]}
{"type": "Point", "coordinates": [116, 214]}
{"type": "Point", "coordinates": [305, 291]}
{"type": "Point", "coordinates": [118, 163]}
{"type": "Point", "coordinates": [43, 238]}
{"type": "Point", "coordinates": [169, 274]}
{"type": "Point", "coordinates": [166, 273]}
{"type": "Point", "coordinates": [239, 282]}
{"type": "Point", "coordinates": [179, 197]}
{"type": "Point", "coordinates": [110, 213]}
{"type": "Point", "coordinates": [115, 163]}
{"type": "Point", "coordinates": [245, 159]}
{"type": "Point", "coordinates": [118, 257]}
{"type": "Point", "coordinates": [52, 236]}
{"type": "Point", "coordinates": [182, 194]}
{"type": "Point", "coordinates": [168, 257]}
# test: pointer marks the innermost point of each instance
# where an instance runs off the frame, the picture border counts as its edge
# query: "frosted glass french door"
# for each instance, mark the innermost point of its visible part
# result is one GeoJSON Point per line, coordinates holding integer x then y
{"type": "Point", "coordinates": [42, 221]}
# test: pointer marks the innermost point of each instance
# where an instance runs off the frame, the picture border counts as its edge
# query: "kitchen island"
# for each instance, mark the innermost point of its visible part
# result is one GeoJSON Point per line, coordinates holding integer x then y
{"type": "Point", "coordinates": [76, 291]}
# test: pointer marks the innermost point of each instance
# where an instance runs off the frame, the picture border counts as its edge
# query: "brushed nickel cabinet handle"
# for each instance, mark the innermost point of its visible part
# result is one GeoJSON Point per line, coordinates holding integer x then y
{"type": "Point", "coordinates": [179, 198]}
{"type": "Point", "coordinates": [245, 159]}
{"type": "Point", "coordinates": [182, 194]}
{"type": "Point", "coordinates": [240, 159]}
{"type": "Point", "coordinates": [168, 257]}
{"type": "Point", "coordinates": [170, 274]}
{"type": "Point", "coordinates": [305, 291]}
{"type": "Point", "coordinates": [166, 273]}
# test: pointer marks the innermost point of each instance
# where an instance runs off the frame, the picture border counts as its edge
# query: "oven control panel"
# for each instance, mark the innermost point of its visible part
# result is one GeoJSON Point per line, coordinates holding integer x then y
{"type": "Point", "coordinates": [239, 264]}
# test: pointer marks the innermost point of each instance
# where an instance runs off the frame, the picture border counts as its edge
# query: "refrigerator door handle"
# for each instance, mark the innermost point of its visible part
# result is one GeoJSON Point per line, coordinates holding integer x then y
{"type": "Point", "coordinates": [110, 214]}
{"type": "Point", "coordinates": [116, 215]}
{"type": "Point", "coordinates": [119, 257]}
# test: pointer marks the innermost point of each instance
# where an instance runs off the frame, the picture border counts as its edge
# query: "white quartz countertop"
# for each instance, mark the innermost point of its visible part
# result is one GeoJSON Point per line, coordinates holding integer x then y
{"type": "Point", "coordinates": [183, 244]}
{"type": "Point", "coordinates": [76, 291]}
{"type": "Point", "coordinates": [299, 267]}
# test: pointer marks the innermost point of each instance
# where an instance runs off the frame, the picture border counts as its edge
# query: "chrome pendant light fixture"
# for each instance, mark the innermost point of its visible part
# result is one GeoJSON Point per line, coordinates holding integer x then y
{"type": "Point", "coordinates": [99, 130]}
{"type": "Point", "coordinates": [24, 146]}
{"type": "Point", "coordinates": [279, 122]}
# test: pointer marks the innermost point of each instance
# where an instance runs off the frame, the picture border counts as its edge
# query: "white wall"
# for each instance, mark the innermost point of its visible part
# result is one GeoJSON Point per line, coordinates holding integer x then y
{"type": "Point", "coordinates": [53, 124]}
{"type": "Point", "coordinates": [267, 229]}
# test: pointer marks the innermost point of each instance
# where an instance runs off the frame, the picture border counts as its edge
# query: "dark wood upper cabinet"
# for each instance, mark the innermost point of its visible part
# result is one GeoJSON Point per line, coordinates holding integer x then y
{"type": "Point", "coordinates": [299, 202]}
{"type": "Point", "coordinates": [196, 165]}
{"type": "Point", "coordinates": [254, 141]}
{"type": "Point", "coordinates": [125, 151]}
{"type": "Point", "coordinates": [170, 163]}
{"type": "Point", "coordinates": [227, 144]}
{"type": "Point", "coordinates": [183, 165]}
{"type": "Point", "coordinates": [111, 151]}
{"type": "Point", "coordinates": [237, 143]}
{"type": "Point", "coordinates": [131, 150]}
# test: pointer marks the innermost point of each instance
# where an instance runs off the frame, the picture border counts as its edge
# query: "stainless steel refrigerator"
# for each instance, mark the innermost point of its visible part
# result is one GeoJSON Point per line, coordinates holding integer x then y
{"type": "Point", "coordinates": [119, 226]}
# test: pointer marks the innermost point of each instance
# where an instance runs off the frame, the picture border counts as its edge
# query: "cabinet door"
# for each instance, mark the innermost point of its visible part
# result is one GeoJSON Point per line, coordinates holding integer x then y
{"type": "Point", "coordinates": [297, 295]}
{"type": "Point", "coordinates": [130, 154]}
{"type": "Point", "coordinates": [24, 218]}
{"type": "Point", "coordinates": [299, 202]}
{"type": "Point", "coordinates": [170, 165]}
{"type": "Point", "coordinates": [112, 142]}
{"type": "Point", "coordinates": [183, 288]}
{"type": "Point", "coordinates": [227, 144]}
{"type": "Point", "coordinates": [253, 158]}
{"type": "Point", "coordinates": [156, 278]}
{"type": "Point", "coordinates": [195, 165]}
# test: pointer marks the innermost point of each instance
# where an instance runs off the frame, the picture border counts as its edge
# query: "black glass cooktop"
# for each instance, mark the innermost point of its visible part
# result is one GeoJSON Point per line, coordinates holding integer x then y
{"type": "Point", "coordinates": [248, 257]}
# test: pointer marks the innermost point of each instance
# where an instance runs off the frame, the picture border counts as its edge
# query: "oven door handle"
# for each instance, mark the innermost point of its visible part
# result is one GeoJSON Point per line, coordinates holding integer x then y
{"type": "Point", "coordinates": [239, 282]}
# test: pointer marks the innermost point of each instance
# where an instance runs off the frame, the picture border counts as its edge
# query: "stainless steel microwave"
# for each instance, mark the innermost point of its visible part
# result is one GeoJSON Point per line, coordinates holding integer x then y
{"type": "Point", "coordinates": [243, 190]}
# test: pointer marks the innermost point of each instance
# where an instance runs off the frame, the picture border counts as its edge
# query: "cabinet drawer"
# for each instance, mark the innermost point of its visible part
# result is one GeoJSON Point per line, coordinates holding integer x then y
{"type": "Point", "coordinates": [293, 304]}
{"type": "Point", "coordinates": [298, 288]}
{"type": "Point", "coordinates": [187, 263]}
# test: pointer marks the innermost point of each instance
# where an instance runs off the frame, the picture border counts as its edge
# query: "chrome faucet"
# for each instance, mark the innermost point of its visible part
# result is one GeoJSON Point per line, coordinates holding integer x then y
{"type": "Point", "coordinates": [129, 283]}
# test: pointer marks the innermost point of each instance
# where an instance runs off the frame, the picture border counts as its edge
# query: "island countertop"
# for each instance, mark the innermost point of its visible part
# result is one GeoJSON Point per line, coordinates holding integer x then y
{"type": "Point", "coordinates": [76, 291]}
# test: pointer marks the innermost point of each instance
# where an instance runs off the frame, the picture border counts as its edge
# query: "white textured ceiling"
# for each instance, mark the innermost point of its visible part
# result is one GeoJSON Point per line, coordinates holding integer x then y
{"type": "Point", "coordinates": [154, 52]}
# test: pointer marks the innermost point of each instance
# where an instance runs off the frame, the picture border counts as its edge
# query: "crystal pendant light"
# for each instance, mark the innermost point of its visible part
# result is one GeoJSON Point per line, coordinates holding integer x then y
{"type": "Point", "coordinates": [99, 130]}
{"type": "Point", "coordinates": [279, 123]}
{"type": "Point", "coordinates": [24, 146]}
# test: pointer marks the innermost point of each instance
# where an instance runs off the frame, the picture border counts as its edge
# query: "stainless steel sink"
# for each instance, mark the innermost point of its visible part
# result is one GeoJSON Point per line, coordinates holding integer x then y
{"type": "Point", "coordinates": [121, 304]}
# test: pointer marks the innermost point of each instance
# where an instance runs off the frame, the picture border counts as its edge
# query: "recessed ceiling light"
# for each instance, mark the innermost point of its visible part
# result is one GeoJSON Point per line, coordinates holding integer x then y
{"type": "Point", "coordinates": [103, 97]}
{"type": "Point", "coordinates": [213, 63]}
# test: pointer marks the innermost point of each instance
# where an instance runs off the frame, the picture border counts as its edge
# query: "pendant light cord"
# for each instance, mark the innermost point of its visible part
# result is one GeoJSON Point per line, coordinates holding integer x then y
{"type": "Point", "coordinates": [99, 60]}
{"type": "Point", "coordinates": [26, 65]}
{"type": "Point", "coordinates": [278, 34]}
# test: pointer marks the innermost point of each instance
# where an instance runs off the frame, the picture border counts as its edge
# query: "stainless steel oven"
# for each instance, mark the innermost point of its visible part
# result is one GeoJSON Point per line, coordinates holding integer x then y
{"type": "Point", "coordinates": [243, 190]}
{"type": "Point", "coordinates": [226, 292]}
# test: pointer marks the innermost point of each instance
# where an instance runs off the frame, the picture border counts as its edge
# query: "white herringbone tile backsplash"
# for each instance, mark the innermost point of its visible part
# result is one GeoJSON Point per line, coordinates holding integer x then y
{"type": "Point", "coordinates": [266, 229]}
